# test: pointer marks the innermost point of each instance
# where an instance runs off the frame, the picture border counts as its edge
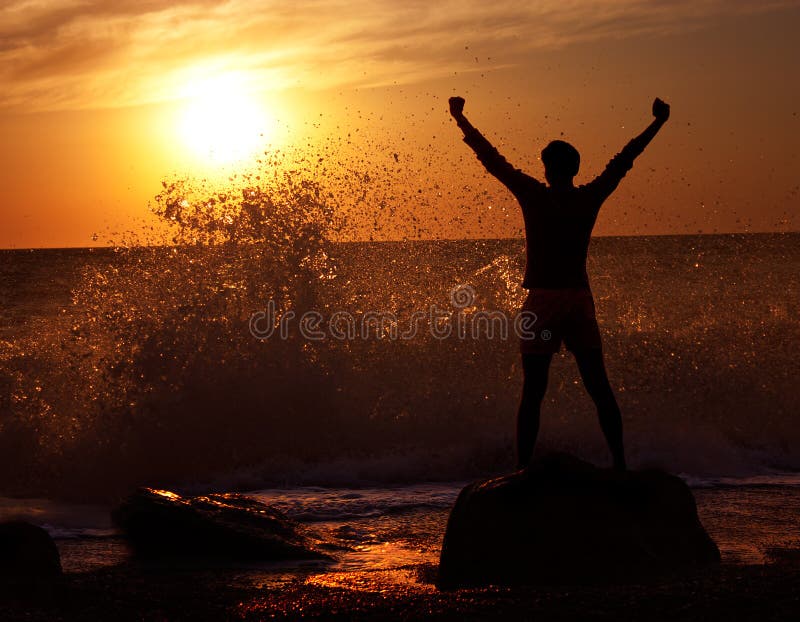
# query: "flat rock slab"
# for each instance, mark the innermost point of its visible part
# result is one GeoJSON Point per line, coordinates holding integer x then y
{"type": "Point", "coordinates": [562, 520]}
{"type": "Point", "coordinates": [160, 524]}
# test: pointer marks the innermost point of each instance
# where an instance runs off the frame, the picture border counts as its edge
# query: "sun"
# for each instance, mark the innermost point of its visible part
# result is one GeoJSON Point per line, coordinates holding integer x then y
{"type": "Point", "coordinates": [222, 122]}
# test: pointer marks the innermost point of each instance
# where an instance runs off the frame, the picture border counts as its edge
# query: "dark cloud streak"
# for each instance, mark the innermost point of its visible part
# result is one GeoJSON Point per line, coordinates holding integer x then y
{"type": "Point", "coordinates": [76, 50]}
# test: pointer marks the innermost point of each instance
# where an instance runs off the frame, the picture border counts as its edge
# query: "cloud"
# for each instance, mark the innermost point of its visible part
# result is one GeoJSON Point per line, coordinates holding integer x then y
{"type": "Point", "coordinates": [93, 53]}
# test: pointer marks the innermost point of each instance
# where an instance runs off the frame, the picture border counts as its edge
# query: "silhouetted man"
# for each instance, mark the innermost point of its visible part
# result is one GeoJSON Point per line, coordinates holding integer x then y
{"type": "Point", "coordinates": [559, 218]}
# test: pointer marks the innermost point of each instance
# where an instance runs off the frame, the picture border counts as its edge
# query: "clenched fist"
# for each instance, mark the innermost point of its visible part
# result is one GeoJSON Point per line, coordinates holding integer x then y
{"type": "Point", "coordinates": [456, 106]}
{"type": "Point", "coordinates": [660, 109]}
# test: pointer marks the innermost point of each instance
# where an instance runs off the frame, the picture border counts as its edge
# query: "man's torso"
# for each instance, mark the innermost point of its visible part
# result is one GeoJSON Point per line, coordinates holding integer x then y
{"type": "Point", "coordinates": [558, 229]}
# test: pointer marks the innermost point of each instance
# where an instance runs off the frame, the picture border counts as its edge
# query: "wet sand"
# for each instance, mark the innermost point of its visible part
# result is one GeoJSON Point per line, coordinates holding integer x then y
{"type": "Point", "coordinates": [133, 592]}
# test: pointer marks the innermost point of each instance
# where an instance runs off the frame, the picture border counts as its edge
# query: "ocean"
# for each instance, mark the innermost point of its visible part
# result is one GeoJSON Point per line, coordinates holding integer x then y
{"type": "Point", "coordinates": [354, 386]}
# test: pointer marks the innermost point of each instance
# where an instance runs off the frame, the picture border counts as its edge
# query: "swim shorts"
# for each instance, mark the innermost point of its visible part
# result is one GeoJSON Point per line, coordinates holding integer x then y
{"type": "Point", "coordinates": [566, 315]}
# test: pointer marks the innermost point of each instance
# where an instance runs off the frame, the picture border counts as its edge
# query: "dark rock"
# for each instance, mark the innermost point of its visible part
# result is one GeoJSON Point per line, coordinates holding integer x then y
{"type": "Point", "coordinates": [562, 520]}
{"type": "Point", "coordinates": [27, 554]}
{"type": "Point", "coordinates": [160, 524]}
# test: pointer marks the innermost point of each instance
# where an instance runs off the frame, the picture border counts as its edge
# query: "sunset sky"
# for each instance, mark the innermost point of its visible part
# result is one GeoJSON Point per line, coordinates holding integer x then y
{"type": "Point", "coordinates": [100, 101]}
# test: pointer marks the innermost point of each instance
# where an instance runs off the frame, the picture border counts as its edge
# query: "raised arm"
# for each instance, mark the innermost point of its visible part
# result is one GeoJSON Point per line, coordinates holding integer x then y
{"type": "Point", "coordinates": [637, 145]}
{"type": "Point", "coordinates": [621, 163]}
{"type": "Point", "coordinates": [495, 163]}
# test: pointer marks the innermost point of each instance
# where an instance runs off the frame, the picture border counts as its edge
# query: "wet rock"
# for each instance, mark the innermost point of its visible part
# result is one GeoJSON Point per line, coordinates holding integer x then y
{"type": "Point", "coordinates": [160, 524]}
{"type": "Point", "coordinates": [562, 520]}
{"type": "Point", "coordinates": [28, 554]}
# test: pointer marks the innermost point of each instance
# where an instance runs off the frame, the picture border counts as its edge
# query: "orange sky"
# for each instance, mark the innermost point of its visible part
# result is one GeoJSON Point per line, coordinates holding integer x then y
{"type": "Point", "coordinates": [95, 97]}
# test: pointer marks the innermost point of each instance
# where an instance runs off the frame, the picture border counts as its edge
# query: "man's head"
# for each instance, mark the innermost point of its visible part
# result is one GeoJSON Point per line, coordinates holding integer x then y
{"type": "Point", "coordinates": [561, 162]}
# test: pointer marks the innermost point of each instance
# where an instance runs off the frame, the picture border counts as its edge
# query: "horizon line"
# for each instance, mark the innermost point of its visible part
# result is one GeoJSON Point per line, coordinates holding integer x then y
{"type": "Point", "coordinates": [427, 240]}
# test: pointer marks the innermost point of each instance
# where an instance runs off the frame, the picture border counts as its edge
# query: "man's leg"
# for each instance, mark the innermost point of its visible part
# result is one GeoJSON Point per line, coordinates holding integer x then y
{"type": "Point", "coordinates": [535, 368]}
{"type": "Point", "coordinates": [595, 379]}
